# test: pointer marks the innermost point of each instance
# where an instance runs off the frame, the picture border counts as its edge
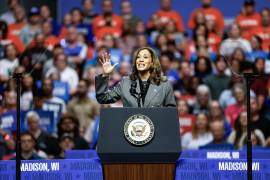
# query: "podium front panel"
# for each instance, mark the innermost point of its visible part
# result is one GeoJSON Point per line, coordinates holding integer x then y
{"type": "Point", "coordinates": [113, 147]}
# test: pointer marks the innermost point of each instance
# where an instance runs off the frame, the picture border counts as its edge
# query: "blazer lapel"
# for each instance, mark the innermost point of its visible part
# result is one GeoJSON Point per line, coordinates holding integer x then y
{"type": "Point", "coordinates": [151, 93]}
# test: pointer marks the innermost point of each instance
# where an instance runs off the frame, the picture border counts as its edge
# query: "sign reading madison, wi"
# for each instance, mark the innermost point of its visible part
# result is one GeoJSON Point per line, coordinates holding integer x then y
{"type": "Point", "coordinates": [139, 129]}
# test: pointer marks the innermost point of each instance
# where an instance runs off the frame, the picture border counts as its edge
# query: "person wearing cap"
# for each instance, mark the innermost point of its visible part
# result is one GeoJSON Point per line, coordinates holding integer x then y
{"type": "Point", "coordinates": [248, 19]}
{"type": "Point", "coordinates": [32, 27]}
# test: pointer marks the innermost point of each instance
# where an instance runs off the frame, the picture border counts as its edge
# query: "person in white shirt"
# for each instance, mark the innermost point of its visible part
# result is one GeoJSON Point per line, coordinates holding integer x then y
{"type": "Point", "coordinates": [9, 63]}
{"type": "Point", "coordinates": [47, 89]}
{"type": "Point", "coordinates": [200, 134]}
{"type": "Point", "coordinates": [234, 41]}
{"type": "Point", "coordinates": [67, 74]}
{"type": "Point", "coordinates": [8, 16]}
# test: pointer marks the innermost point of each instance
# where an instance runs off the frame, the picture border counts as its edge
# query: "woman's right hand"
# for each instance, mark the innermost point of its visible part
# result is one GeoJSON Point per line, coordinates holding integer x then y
{"type": "Point", "coordinates": [105, 60]}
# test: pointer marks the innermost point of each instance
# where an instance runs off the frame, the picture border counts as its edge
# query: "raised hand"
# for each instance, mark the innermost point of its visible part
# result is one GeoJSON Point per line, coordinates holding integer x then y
{"type": "Point", "coordinates": [105, 60]}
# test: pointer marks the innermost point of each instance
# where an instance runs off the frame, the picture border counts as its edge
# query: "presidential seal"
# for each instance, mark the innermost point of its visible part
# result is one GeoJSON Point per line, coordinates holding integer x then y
{"type": "Point", "coordinates": [139, 129]}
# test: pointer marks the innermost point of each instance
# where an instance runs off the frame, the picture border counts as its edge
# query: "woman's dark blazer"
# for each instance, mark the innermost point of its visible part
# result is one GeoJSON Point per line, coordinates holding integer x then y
{"type": "Point", "coordinates": [157, 95]}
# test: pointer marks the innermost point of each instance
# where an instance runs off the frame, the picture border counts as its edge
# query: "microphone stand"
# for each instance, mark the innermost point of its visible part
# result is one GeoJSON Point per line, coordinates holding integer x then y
{"type": "Point", "coordinates": [248, 77]}
{"type": "Point", "coordinates": [138, 97]}
{"type": "Point", "coordinates": [134, 93]}
{"type": "Point", "coordinates": [18, 77]}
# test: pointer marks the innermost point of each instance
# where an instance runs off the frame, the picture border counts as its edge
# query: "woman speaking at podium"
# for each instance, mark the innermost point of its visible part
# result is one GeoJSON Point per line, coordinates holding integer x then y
{"type": "Point", "coordinates": [145, 87]}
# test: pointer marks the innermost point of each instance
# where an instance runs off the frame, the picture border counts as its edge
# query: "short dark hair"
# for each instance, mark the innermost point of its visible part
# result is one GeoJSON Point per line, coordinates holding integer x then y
{"type": "Point", "coordinates": [76, 9]}
{"type": "Point", "coordinates": [4, 29]}
{"type": "Point", "coordinates": [29, 134]}
{"type": "Point", "coordinates": [9, 1]}
{"type": "Point", "coordinates": [83, 1]}
{"type": "Point", "coordinates": [6, 47]}
{"type": "Point", "coordinates": [266, 9]}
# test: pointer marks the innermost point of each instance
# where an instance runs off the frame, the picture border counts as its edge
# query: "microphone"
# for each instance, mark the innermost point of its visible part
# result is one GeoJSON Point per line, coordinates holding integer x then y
{"type": "Point", "coordinates": [144, 88]}
{"type": "Point", "coordinates": [133, 88]}
{"type": "Point", "coordinates": [134, 93]}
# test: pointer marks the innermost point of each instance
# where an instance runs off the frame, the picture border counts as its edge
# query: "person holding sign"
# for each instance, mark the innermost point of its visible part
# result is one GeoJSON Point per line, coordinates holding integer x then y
{"type": "Point", "coordinates": [145, 87]}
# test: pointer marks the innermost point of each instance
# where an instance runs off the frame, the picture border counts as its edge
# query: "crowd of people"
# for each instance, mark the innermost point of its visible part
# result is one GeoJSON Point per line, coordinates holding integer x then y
{"type": "Point", "coordinates": [203, 62]}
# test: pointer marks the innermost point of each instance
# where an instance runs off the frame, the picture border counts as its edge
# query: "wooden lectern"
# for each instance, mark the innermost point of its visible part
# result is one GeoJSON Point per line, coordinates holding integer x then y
{"type": "Point", "coordinates": [155, 160]}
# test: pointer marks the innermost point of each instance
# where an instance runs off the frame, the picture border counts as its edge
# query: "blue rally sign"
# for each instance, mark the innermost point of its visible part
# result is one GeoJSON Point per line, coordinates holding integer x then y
{"type": "Point", "coordinates": [53, 169]}
{"type": "Point", "coordinates": [221, 169]}
{"type": "Point", "coordinates": [80, 169]}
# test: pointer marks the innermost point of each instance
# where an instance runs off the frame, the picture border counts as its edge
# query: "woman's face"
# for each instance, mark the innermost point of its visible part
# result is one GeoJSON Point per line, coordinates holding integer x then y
{"type": "Point", "coordinates": [67, 125]}
{"type": "Point", "coordinates": [200, 18]}
{"type": "Point", "coordinates": [202, 65]}
{"type": "Point", "coordinates": [27, 81]}
{"type": "Point", "coordinates": [210, 24]}
{"type": "Point", "coordinates": [201, 121]}
{"type": "Point", "coordinates": [254, 140]}
{"type": "Point", "coordinates": [45, 11]}
{"type": "Point", "coordinates": [201, 31]}
{"type": "Point", "coordinates": [76, 17]}
{"type": "Point", "coordinates": [239, 94]}
{"type": "Point", "coordinates": [243, 119]}
{"type": "Point", "coordinates": [254, 43]}
{"type": "Point", "coordinates": [140, 28]}
{"type": "Point", "coordinates": [201, 41]}
{"type": "Point", "coordinates": [144, 60]}
{"type": "Point", "coordinates": [67, 19]}
{"type": "Point", "coordinates": [170, 27]}
{"type": "Point", "coordinates": [238, 55]}
{"type": "Point", "coordinates": [194, 83]}
{"type": "Point", "coordinates": [235, 65]}
{"type": "Point", "coordinates": [235, 32]}
{"type": "Point", "coordinates": [19, 13]}
{"type": "Point", "coordinates": [161, 40]}
{"type": "Point", "coordinates": [141, 40]}
{"type": "Point", "coordinates": [66, 144]}
{"type": "Point", "coordinates": [46, 28]}
{"type": "Point", "coordinates": [182, 107]}
{"type": "Point", "coordinates": [260, 65]}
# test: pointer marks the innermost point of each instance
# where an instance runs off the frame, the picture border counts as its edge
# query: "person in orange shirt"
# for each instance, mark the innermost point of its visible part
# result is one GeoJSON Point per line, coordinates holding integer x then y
{"type": "Point", "coordinates": [165, 14]}
{"type": "Point", "coordinates": [263, 31]}
{"type": "Point", "coordinates": [107, 22]}
{"type": "Point", "coordinates": [248, 19]}
{"type": "Point", "coordinates": [15, 28]}
{"type": "Point", "coordinates": [214, 39]}
{"type": "Point", "coordinates": [50, 39]}
{"type": "Point", "coordinates": [210, 13]}
{"type": "Point", "coordinates": [6, 38]}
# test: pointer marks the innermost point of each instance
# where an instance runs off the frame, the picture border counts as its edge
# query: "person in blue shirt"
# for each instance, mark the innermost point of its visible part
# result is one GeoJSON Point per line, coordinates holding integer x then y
{"type": "Point", "coordinates": [77, 21]}
{"type": "Point", "coordinates": [257, 51]}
